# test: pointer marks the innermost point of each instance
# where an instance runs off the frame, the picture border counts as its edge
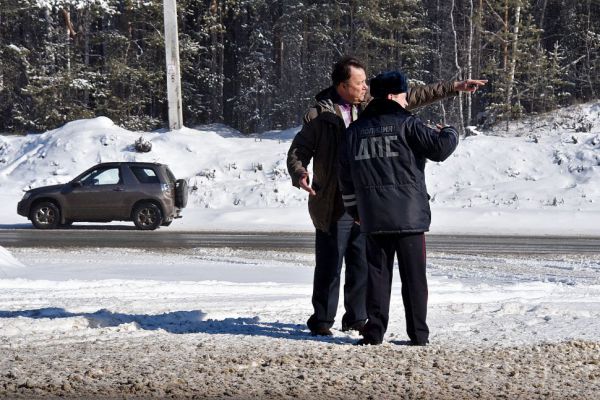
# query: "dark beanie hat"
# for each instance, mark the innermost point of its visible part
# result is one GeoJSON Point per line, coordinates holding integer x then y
{"type": "Point", "coordinates": [391, 82]}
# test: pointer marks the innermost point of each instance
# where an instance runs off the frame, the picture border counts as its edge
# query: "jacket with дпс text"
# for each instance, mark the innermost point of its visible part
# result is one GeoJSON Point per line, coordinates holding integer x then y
{"type": "Point", "coordinates": [318, 141]}
{"type": "Point", "coordinates": [382, 168]}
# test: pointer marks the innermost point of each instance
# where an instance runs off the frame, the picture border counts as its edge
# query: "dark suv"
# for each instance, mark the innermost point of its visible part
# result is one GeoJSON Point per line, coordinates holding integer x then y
{"type": "Point", "coordinates": [146, 193]}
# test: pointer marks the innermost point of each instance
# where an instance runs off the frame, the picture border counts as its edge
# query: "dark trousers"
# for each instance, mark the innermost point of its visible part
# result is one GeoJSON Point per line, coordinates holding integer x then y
{"type": "Point", "coordinates": [381, 249]}
{"type": "Point", "coordinates": [343, 242]}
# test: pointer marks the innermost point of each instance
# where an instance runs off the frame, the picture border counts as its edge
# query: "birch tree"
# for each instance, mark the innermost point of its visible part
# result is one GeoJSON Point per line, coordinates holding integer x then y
{"type": "Point", "coordinates": [514, 55]}
{"type": "Point", "coordinates": [459, 73]}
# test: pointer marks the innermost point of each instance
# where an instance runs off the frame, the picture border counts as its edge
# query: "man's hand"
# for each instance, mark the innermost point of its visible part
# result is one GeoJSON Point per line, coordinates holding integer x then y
{"type": "Point", "coordinates": [303, 182]}
{"type": "Point", "coordinates": [470, 85]}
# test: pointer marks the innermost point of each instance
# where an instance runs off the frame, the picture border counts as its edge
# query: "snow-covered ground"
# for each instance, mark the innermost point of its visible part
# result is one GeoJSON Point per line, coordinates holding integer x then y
{"type": "Point", "coordinates": [214, 323]}
{"type": "Point", "coordinates": [97, 322]}
{"type": "Point", "coordinates": [473, 299]}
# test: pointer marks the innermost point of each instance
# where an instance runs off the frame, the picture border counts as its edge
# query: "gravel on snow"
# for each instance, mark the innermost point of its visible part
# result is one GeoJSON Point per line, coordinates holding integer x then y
{"type": "Point", "coordinates": [214, 366]}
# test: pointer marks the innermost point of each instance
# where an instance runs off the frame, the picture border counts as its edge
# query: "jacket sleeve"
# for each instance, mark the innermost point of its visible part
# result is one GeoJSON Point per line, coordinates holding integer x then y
{"type": "Point", "coordinates": [428, 142]}
{"type": "Point", "coordinates": [345, 176]}
{"type": "Point", "coordinates": [420, 96]}
{"type": "Point", "coordinates": [302, 150]}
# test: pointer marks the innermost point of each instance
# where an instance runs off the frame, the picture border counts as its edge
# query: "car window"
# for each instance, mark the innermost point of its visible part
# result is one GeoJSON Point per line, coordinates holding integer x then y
{"type": "Point", "coordinates": [145, 174]}
{"type": "Point", "coordinates": [104, 176]}
{"type": "Point", "coordinates": [170, 175]}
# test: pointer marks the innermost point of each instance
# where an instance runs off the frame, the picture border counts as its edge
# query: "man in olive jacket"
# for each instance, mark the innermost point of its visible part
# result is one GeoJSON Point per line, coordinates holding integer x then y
{"type": "Point", "coordinates": [337, 236]}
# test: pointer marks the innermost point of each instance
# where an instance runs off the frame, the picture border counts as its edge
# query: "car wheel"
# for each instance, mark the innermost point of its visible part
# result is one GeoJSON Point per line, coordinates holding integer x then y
{"type": "Point", "coordinates": [147, 216]}
{"type": "Point", "coordinates": [45, 215]}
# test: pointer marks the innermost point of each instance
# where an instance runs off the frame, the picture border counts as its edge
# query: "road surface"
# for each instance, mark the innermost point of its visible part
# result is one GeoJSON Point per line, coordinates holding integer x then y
{"type": "Point", "coordinates": [165, 239]}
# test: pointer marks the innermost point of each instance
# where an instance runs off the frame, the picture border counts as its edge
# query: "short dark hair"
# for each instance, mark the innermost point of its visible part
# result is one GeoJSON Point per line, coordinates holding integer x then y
{"type": "Point", "coordinates": [341, 69]}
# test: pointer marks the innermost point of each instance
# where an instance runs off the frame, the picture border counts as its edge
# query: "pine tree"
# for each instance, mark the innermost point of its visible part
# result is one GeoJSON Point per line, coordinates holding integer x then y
{"type": "Point", "coordinates": [257, 64]}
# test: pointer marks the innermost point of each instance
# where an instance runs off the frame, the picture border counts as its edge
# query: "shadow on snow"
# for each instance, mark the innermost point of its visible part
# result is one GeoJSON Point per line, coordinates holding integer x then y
{"type": "Point", "coordinates": [182, 322]}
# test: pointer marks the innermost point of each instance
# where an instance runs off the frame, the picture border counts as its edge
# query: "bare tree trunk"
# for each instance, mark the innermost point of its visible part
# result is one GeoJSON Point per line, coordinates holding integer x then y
{"type": "Point", "coordinates": [217, 46]}
{"type": "Point", "coordinates": [68, 23]}
{"type": "Point", "coordinates": [86, 59]}
{"type": "Point", "coordinates": [1, 62]}
{"type": "Point", "coordinates": [479, 27]}
{"type": "Point", "coordinates": [479, 30]}
{"type": "Point", "coordinates": [70, 34]}
{"type": "Point", "coordinates": [440, 63]}
{"type": "Point", "coordinates": [352, 39]}
{"type": "Point", "coordinates": [505, 44]}
{"type": "Point", "coordinates": [459, 70]}
{"type": "Point", "coordinates": [588, 49]}
{"type": "Point", "coordinates": [543, 16]}
{"type": "Point", "coordinates": [513, 63]}
{"type": "Point", "coordinates": [221, 63]}
{"type": "Point", "coordinates": [470, 62]}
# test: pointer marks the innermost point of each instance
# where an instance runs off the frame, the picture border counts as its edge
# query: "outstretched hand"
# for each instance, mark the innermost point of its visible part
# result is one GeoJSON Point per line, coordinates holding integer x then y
{"type": "Point", "coordinates": [303, 182]}
{"type": "Point", "coordinates": [469, 85]}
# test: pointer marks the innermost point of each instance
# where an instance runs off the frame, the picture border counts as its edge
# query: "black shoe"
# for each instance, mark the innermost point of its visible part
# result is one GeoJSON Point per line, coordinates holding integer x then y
{"type": "Point", "coordinates": [356, 326]}
{"type": "Point", "coordinates": [321, 332]}
{"type": "Point", "coordinates": [367, 342]}
{"type": "Point", "coordinates": [417, 343]}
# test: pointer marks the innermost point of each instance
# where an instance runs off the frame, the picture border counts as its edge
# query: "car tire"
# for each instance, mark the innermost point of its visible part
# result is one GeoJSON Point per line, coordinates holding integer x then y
{"type": "Point", "coordinates": [181, 193]}
{"type": "Point", "coordinates": [45, 215]}
{"type": "Point", "coordinates": [147, 216]}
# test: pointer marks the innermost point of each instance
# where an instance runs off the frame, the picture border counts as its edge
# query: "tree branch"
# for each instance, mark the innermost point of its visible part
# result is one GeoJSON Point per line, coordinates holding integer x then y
{"type": "Point", "coordinates": [68, 23]}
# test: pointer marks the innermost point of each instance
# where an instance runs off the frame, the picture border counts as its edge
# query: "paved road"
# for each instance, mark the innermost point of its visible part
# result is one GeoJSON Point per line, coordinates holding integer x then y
{"type": "Point", "coordinates": [119, 237]}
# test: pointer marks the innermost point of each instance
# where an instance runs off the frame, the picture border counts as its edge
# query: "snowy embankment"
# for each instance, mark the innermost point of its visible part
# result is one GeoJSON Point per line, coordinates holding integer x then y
{"type": "Point", "coordinates": [540, 176]}
{"type": "Point", "coordinates": [213, 323]}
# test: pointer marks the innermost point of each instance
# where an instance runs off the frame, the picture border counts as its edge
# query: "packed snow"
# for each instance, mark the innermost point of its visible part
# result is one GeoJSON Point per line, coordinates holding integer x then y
{"type": "Point", "coordinates": [228, 307]}
{"type": "Point", "coordinates": [215, 323]}
{"type": "Point", "coordinates": [473, 299]}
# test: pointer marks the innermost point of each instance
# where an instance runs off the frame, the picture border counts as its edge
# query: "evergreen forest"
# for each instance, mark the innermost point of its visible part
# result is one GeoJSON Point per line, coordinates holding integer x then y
{"type": "Point", "coordinates": [256, 64]}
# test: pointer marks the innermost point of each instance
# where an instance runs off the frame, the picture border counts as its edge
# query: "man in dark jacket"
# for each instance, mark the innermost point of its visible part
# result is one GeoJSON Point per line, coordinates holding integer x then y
{"type": "Point", "coordinates": [382, 178]}
{"type": "Point", "coordinates": [337, 236]}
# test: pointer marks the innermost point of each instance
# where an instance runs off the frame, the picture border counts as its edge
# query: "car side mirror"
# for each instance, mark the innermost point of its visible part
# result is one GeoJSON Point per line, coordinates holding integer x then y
{"type": "Point", "coordinates": [76, 184]}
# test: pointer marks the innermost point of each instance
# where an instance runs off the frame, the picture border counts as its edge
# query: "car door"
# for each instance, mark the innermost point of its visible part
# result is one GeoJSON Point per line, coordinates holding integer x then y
{"type": "Point", "coordinates": [97, 196]}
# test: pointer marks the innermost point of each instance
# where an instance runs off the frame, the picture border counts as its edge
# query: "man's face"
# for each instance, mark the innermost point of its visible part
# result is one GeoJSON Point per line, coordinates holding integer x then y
{"type": "Point", "coordinates": [355, 88]}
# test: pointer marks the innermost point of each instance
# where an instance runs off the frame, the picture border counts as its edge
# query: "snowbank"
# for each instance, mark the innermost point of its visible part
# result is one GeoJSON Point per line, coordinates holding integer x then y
{"type": "Point", "coordinates": [231, 323]}
{"type": "Point", "coordinates": [540, 176]}
{"type": "Point", "coordinates": [7, 260]}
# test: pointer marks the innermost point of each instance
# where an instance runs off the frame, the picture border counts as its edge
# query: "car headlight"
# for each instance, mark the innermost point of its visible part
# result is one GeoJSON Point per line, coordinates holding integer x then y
{"type": "Point", "coordinates": [26, 195]}
{"type": "Point", "coordinates": [165, 187]}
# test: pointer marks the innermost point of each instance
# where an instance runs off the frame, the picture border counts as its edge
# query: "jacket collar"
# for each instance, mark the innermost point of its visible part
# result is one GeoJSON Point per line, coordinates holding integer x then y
{"type": "Point", "coordinates": [330, 94]}
{"type": "Point", "coordinates": [327, 94]}
{"type": "Point", "coordinates": [379, 106]}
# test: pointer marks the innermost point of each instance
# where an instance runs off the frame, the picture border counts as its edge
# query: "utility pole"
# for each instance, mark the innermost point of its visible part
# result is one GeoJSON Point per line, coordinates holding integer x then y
{"type": "Point", "coordinates": [173, 73]}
